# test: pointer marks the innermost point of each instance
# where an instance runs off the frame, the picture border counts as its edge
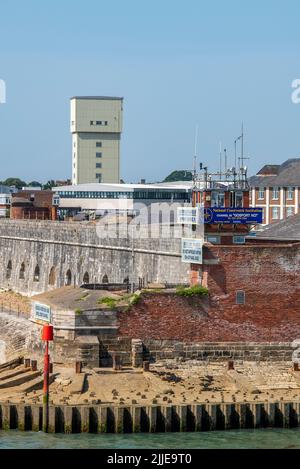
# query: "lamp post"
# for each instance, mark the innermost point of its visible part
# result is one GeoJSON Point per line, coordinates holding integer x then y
{"type": "Point", "coordinates": [46, 337]}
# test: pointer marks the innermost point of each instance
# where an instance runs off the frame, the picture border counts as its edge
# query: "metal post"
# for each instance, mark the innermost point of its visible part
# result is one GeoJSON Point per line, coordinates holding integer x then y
{"type": "Point", "coordinates": [46, 390]}
{"type": "Point", "coordinates": [242, 149]}
{"type": "Point", "coordinates": [226, 164]}
{"type": "Point", "coordinates": [220, 161]}
{"type": "Point", "coordinates": [235, 160]}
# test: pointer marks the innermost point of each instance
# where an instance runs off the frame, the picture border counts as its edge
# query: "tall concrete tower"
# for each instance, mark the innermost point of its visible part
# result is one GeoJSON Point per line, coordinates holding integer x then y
{"type": "Point", "coordinates": [96, 126]}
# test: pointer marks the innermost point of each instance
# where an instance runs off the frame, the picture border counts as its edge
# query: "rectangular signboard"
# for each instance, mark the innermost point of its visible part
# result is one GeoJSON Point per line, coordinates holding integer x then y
{"type": "Point", "coordinates": [246, 216]}
{"type": "Point", "coordinates": [41, 313]}
{"type": "Point", "coordinates": [191, 250]}
{"type": "Point", "coordinates": [188, 215]}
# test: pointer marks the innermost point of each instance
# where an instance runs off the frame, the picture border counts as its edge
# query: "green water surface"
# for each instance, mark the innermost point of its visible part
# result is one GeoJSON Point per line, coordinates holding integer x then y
{"type": "Point", "coordinates": [240, 439]}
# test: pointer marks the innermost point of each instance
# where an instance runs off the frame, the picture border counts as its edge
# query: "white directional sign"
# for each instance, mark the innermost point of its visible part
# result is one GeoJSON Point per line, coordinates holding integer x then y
{"type": "Point", "coordinates": [188, 215]}
{"type": "Point", "coordinates": [191, 250]}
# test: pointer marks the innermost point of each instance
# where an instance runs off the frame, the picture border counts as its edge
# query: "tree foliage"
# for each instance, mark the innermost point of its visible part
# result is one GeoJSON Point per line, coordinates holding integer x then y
{"type": "Point", "coordinates": [14, 182]}
{"type": "Point", "coordinates": [180, 175]}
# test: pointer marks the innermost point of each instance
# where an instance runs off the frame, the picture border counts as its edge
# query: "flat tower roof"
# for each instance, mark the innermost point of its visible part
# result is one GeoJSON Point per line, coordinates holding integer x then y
{"type": "Point", "coordinates": [112, 98]}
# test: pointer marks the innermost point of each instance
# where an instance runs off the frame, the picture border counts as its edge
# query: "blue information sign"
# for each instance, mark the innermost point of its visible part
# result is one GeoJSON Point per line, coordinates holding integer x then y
{"type": "Point", "coordinates": [247, 216]}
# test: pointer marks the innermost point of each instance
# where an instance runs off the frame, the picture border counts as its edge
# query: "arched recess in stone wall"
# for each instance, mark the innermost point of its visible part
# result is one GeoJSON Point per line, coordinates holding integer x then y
{"type": "Point", "coordinates": [36, 275]}
{"type": "Point", "coordinates": [8, 270]}
{"type": "Point", "coordinates": [105, 279]}
{"type": "Point", "coordinates": [22, 271]}
{"type": "Point", "coordinates": [86, 278]}
{"type": "Point", "coordinates": [52, 276]}
{"type": "Point", "coordinates": [68, 279]}
{"type": "Point", "coordinates": [126, 280]}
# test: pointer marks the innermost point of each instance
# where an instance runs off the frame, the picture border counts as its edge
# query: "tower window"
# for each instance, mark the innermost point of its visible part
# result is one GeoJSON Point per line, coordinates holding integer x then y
{"type": "Point", "coordinates": [98, 144]}
{"type": "Point", "coordinates": [98, 155]}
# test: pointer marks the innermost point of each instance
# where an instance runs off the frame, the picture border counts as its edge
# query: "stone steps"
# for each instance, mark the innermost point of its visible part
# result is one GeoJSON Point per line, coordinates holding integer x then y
{"type": "Point", "coordinates": [11, 373]}
{"type": "Point", "coordinates": [35, 384]}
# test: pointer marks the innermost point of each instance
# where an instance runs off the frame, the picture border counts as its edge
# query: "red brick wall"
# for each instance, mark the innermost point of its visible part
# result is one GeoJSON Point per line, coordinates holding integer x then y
{"type": "Point", "coordinates": [270, 277]}
{"type": "Point", "coordinates": [29, 213]}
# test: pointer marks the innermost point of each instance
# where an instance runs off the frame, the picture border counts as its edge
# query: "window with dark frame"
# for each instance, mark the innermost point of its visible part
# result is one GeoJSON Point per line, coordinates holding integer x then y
{"type": "Point", "coordinates": [240, 297]}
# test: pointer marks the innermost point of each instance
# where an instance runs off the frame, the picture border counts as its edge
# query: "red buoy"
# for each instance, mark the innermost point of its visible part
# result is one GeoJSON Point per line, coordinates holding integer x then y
{"type": "Point", "coordinates": [47, 332]}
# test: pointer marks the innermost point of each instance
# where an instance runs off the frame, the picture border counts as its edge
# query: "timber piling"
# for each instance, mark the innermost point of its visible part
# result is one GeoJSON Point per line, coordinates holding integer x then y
{"type": "Point", "coordinates": [151, 419]}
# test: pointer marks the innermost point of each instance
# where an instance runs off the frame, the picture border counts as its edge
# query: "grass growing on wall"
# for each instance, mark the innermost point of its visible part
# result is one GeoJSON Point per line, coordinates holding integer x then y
{"type": "Point", "coordinates": [135, 298]}
{"type": "Point", "coordinates": [197, 290]}
{"type": "Point", "coordinates": [110, 302]}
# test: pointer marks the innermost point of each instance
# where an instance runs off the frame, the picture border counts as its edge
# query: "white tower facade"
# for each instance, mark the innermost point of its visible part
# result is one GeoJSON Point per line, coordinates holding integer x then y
{"type": "Point", "coordinates": [96, 127]}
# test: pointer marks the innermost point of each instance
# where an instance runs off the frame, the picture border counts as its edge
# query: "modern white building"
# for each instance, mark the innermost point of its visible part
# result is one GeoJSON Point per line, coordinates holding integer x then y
{"type": "Point", "coordinates": [96, 127]}
{"type": "Point", "coordinates": [117, 198]}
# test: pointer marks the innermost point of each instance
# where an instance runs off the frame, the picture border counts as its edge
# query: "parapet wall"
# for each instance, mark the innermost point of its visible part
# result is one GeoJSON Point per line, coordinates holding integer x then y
{"type": "Point", "coordinates": [37, 256]}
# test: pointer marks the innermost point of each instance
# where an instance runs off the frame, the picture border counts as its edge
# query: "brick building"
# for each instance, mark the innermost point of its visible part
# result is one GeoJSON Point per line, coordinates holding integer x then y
{"type": "Point", "coordinates": [254, 296]}
{"type": "Point", "coordinates": [33, 205]}
{"type": "Point", "coordinates": [275, 188]}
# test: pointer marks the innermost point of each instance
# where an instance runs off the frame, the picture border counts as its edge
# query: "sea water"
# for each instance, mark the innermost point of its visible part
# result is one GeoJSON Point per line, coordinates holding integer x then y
{"type": "Point", "coordinates": [235, 439]}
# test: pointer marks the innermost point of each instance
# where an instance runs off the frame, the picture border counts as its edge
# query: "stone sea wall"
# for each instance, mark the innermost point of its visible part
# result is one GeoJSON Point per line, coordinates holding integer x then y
{"type": "Point", "coordinates": [36, 256]}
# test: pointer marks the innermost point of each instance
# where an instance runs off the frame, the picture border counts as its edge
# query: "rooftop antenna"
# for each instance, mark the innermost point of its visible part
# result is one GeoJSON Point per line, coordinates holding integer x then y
{"type": "Point", "coordinates": [225, 155]}
{"type": "Point", "coordinates": [195, 156]}
{"type": "Point", "coordinates": [220, 153]}
{"type": "Point", "coordinates": [235, 151]}
{"type": "Point", "coordinates": [242, 149]}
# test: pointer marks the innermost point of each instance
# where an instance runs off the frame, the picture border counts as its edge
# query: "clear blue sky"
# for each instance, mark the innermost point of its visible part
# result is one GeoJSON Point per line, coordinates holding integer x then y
{"type": "Point", "coordinates": [176, 63]}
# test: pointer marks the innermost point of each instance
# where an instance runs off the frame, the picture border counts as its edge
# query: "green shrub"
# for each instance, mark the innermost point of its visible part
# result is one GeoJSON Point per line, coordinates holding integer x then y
{"type": "Point", "coordinates": [78, 311]}
{"type": "Point", "coordinates": [110, 302]}
{"type": "Point", "coordinates": [197, 290]}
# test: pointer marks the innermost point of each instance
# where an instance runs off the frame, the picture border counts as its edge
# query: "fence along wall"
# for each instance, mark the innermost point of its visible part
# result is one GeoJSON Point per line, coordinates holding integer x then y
{"type": "Point", "coordinates": [40, 256]}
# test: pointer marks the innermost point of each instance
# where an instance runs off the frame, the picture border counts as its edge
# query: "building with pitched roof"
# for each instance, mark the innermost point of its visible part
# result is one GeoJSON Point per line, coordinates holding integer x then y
{"type": "Point", "coordinates": [275, 188]}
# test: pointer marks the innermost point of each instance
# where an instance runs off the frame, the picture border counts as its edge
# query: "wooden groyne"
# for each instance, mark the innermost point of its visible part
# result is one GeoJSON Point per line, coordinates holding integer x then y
{"type": "Point", "coordinates": [135, 419]}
